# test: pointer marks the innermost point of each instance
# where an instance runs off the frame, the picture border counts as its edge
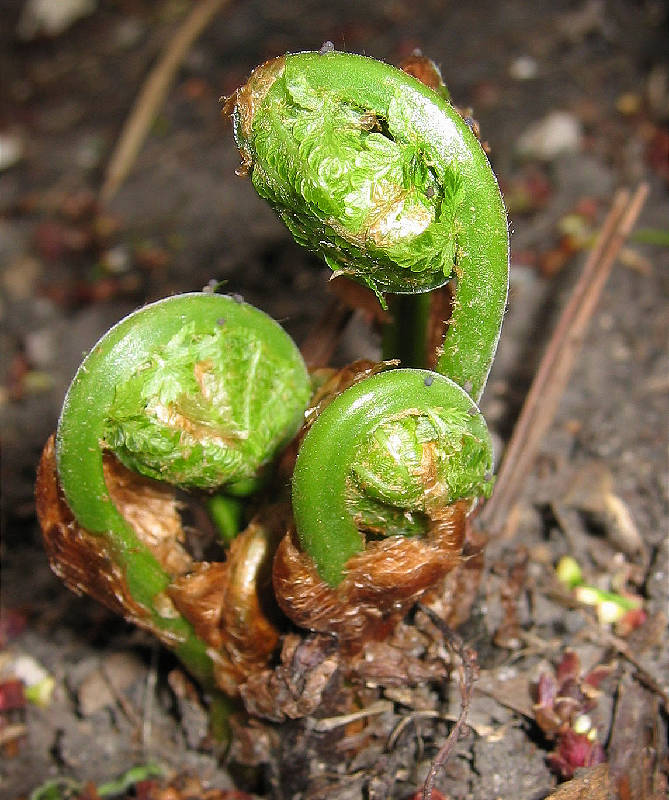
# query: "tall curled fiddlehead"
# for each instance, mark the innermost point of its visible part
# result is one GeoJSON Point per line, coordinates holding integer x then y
{"type": "Point", "coordinates": [381, 176]}
{"type": "Point", "coordinates": [195, 391]}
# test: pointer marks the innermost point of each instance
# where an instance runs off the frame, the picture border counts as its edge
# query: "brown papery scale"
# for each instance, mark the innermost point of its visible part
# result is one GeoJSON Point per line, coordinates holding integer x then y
{"type": "Point", "coordinates": [219, 599]}
{"type": "Point", "coordinates": [380, 584]}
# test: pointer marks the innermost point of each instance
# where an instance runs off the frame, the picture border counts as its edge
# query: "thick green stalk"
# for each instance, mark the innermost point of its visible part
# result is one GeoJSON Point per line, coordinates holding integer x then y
{"type": "Point", "coordinates": [227, 514]}
{"type": "Point", "coordinates": [386, 455]}
{"type": "Point", "coordinates": [208, 387]}
{"type": "Point", "coordinates": [381, 176]}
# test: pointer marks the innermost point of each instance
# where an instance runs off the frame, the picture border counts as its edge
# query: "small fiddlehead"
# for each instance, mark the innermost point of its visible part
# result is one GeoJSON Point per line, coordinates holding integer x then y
{"type": "Point", "coordinates": [381, 176]}
{"type": "Point", "coordinates": [407, 443]}
{"type": "Point", "coordinates": [384, 480]}
{"type": "Point", "coordinates": [196, 390]}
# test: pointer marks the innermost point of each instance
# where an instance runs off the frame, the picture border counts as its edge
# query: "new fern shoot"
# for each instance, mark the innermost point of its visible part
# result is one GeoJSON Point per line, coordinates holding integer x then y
{"type": "Point", "coordinates": [379, 175]}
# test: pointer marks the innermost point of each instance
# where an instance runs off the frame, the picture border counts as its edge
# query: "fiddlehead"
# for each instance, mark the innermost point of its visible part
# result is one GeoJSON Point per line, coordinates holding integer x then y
{"type": "Point", "coordinates": [383, 482]}
{"type": "Point", "coordinates": [196, 390]}
{"type": "Point", "coordinates": [380, 176]}
{"type": "Point", "coordinates": [408, 443]}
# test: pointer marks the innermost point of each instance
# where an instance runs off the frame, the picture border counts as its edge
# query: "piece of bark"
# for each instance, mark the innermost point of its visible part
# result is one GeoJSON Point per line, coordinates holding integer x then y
{"type": "Point", "coordinates": [295, 687]}
{"type": "Point", "coordinates": [637, 747]}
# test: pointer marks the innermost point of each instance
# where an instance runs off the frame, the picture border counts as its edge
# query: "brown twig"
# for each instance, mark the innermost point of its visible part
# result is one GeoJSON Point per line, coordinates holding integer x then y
{"type": "Point", "coordinates": [551, 379]}
{"type": "Point", "coordinates": [467, 674]}
{"type": "Point", "coordinates": [122, 701]}
{"type": "Point", "coordinates": [152, 94]}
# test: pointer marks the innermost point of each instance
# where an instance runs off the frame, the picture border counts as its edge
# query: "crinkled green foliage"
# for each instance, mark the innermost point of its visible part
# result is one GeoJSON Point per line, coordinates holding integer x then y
{"type": "Point", "coordinates": [380, 176]}
{"type": "Point", "coordinates": [204, 410]}
{"type": "Point", "coordinates": [362, 190]}
{"type": "Point", "coordinates": [414, 462]}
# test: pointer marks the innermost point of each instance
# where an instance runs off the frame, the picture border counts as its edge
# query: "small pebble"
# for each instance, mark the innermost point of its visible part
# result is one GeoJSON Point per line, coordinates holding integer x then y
{"type": "Point", "coordinates": [559, 132]}
{"type": "Point", "coordinates": [51, 17]}
{"type": "Point", "coordinates": [11, 150]}
{"type": "Point", "coordinates": [116, 260]}
{"type": "Point", "coordinates": [523, 68]}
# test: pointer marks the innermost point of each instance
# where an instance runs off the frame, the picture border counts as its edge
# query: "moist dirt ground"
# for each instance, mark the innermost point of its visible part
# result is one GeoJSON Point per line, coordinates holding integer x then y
{"type": "Point", "coordinates": [573, 99]}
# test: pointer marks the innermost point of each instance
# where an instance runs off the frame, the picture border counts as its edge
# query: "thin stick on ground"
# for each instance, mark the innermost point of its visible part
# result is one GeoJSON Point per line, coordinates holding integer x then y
{"type": "Point", "coordinates": [556, 365]}
{"type": "Point", "coordinates": [152, 95]}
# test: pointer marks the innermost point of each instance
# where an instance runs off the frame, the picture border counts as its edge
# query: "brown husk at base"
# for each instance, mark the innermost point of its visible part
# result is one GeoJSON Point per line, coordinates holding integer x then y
{"type": "Point", "coordinates": [380, 584]}
{"type": "Point", "coordinates": [83, 562]}
{"type": "Point", "coordinates": [222, 600]}
{"type": "Point", "coordinates": [219, 599]}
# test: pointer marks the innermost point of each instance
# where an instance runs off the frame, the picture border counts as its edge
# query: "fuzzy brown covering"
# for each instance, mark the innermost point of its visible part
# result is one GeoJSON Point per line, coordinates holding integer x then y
{"type": "Point", "coordinates": [379, 586]}
{"type": "Point", "coordinates": [222, 601]}
{"type": "Point", "coordinates": [152, 511]}
{"type": "Point", "coordinates": [81, 560]}
{"type": "Point", "coordinates": [453, 598]}
{"type": "Point", "coordinates": [219, 599]}
{"type": "Point", "coordinates": [424, 70]}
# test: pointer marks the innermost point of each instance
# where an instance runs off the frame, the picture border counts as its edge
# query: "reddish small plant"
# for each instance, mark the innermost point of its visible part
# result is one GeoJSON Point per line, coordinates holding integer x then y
{"type": "Point", "coordinates": [564, 700]}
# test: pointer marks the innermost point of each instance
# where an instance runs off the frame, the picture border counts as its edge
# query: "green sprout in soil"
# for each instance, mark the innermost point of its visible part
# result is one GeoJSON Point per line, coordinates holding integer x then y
{"type": "Point", "coordinates": [613, 608]}
{"type": "Point", "coordinates": [380, 176]}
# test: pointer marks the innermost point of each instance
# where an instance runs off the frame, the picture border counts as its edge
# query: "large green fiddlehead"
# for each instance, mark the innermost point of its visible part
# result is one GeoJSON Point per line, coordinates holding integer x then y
{"type": "Point", "coordinates": [197, 390]}
{"type": "Point", "coordinates": [381, 176]}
